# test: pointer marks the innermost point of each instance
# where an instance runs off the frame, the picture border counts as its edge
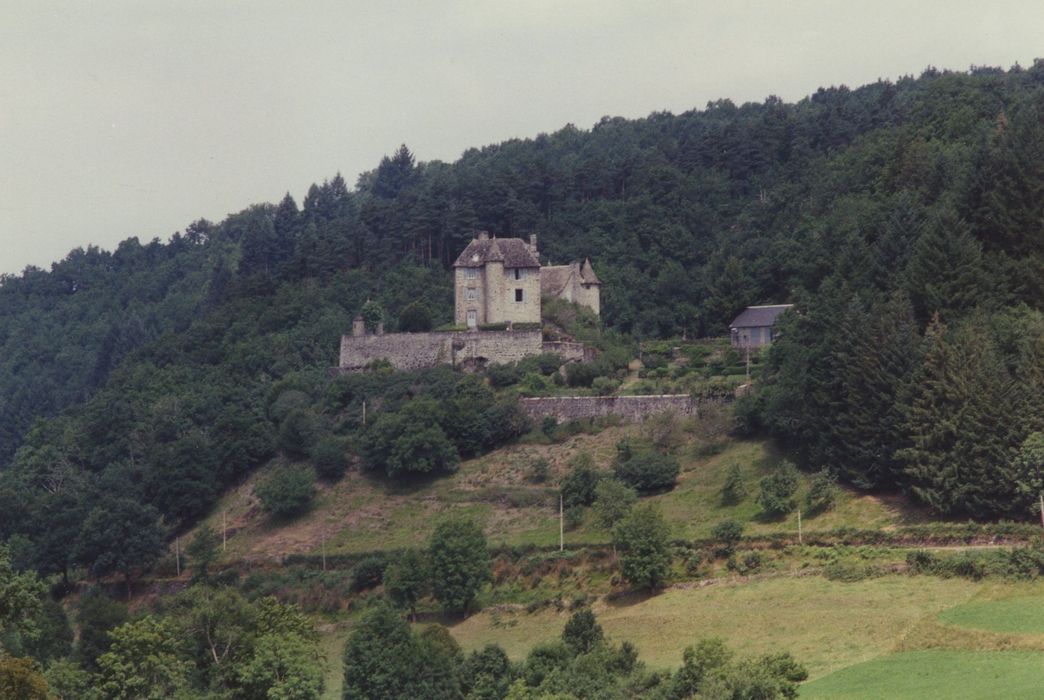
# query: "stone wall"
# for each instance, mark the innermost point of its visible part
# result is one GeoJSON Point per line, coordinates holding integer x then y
{"type": "Point", "coordinates": [570, 352]}
{"type": "Point", "coordinates": [631, 409]}
{"type": "Point", "coordinates": [409, 351]}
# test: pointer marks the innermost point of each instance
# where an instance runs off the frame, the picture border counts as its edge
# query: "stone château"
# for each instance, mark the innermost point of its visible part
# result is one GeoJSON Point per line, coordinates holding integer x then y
{"type": "Point", "coordinates": [498, 284]}
{"type": "Point", "coordinates": [500, 280]}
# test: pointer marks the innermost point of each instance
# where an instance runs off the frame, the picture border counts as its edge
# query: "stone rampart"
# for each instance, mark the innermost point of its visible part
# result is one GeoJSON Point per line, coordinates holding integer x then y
{"type": "Point", "coordinates": [631, 409]}
{"type": "Point", "coordinates": [409, 351]}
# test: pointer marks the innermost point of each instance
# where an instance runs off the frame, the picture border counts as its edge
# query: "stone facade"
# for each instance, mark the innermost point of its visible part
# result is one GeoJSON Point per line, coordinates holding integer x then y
{"type": "Point", "coordinates": [497, 280]}
{"type": "Point", "coordinates": [574, 282]}
{"type": "Point", "coordinates": [631, 409]}
{"type": "Point", "coordinates": [500, 280]}
{"type": "Point", "coordinates": [409, 351]}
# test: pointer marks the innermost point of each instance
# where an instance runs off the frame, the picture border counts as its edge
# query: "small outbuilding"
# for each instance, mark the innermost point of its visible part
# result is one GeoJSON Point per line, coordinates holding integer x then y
{"type": "Point", "coordinates": [753, 328]}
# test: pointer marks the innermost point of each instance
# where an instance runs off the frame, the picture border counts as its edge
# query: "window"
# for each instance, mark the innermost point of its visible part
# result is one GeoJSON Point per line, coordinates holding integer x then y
{"type": "Point", "coordinates": [472, 319]}
{"type": "Point", "coordinates": [470, 273]}
{"type": "Point", "coordinates": [520, 273]}
{"type": "Point", "coordinates": [520, 295]}
{"type": "Point", "coordinates": [470, 294]}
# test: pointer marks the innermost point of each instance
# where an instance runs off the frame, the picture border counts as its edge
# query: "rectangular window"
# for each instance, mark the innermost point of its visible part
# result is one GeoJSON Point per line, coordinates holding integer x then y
{"type": "Point", "coordinates": [520, 273]}
{"type": "Point", "coordinates": [472, 319]}
{"type": "Point", "coordinates": [520, 295]}
{"type": "Point", "coordinates": [471, 273]}
{"type": "Point", "coordinates": [470, 294]}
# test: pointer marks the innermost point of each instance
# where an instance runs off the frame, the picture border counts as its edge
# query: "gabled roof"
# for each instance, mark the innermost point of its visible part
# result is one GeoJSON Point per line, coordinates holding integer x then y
{"type": "Point", "coordinates": [759, 316]}
{"type": "Point", "coordinates": [554, 278]}
{"type": "Point", "coordinates": [587, 273]}
{"type": "Point", "coordinates": [513, 252]}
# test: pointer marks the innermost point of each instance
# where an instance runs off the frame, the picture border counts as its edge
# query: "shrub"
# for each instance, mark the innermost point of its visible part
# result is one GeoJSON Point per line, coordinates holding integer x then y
{"type": "Point", "coordinates": [372, 314]}
{"type": "Point", "coordinates": [582, 632]}
{"type": "Point", "coordinates": [921, 561]}
{"type": "Point", "coordinates": [328, 456]}
{"type": "Point", "coordinates": [573, 517]}
{"type": "Point", "coordinates": [749, 563]}
{"type": "Point", "coordinates": [415, 318]}
{"type": "Point", "coordinates": [728, 533]}
{"type": "Point", "coordinates": [648, 471]}
{"type": "Point", "coordinates": [604, 386]}
{"type": "Point", "coordinates": [613, 501]}
{"type": "Point", "coordinates": [368, 573]}
{"type": "Point", "coordinates": [734, 490]}
{"type": "Point", "coordinates": [580, 374]}
{"type": "Point", "coordinates": [578, 487]}
{"type": "Point", "coordinates": [287, 492]}
{"type": "Point", "coordinates": [822, 492]}
{"type": "Point", "coordinates": [540, 471]}
{"type": "Point", "coordinates": [778, 489]}
{"type": "Point", "coordinates": [503, 375]}
{"type": "Point", "coordinates": [297, 433]}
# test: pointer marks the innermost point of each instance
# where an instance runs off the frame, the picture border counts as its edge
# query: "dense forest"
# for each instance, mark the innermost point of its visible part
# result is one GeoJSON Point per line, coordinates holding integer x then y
{"type": "Point", "coordinates": [904, 219]}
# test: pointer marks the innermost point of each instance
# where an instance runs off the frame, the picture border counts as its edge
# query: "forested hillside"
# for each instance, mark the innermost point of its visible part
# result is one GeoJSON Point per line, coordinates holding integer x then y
{"type": "Point", "coordinates": [904, 219]}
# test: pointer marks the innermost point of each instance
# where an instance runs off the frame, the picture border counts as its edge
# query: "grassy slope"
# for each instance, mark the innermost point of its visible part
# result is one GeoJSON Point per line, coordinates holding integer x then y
{"type": "Point", "coordinates": [825, 624]}
{"type": "Point", "coordinates": [924, 675]}
{"type": "Point", "coordinates": [362, 513]}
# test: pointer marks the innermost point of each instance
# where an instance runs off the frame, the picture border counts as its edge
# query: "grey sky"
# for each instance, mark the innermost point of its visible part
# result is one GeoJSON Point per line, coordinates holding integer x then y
{"type": "Point", "coordinates": [134, 118]}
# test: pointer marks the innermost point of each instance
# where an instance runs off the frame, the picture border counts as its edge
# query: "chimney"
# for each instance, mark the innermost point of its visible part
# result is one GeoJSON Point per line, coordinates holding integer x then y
{"type": "Point", "coordinates": [483, 235]}
{"type": "Point", "coordinates": [532, 243]}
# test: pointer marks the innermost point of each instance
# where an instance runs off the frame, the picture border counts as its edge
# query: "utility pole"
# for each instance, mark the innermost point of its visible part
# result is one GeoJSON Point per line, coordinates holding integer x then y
{"type": "Point", "coordinates": [561, 523]}
{"type": "Point", "coordinates": [224, 532]}
{"type": "Point", "coordinates": [364, 411]}
{"type": "Point", "coordinates": [177, 554]}
{"type": "Point", "coordinates": [799, 527]}
{"type": "Point", "coordinates": [748, 361]}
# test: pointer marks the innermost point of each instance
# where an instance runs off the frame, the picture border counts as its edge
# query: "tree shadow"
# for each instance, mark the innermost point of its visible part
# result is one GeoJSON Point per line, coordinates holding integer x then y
{"type": "Point", "coordinates": [630, 597]}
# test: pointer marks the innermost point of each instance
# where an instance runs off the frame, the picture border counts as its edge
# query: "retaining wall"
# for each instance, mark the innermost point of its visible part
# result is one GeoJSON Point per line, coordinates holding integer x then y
{"type": "Point", "coordinates": [631, 409]}
{"type": "Point", "coordinates": [409, 351]}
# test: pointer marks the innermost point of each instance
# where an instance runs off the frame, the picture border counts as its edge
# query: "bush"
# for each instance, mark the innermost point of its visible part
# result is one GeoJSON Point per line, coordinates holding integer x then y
{"type": "Point", "coordinates": [581, 374]}
{"type": "Point", "coordinates": [503, 375]}
{"type": "Point", "coordinates": [287, 492]}
{"type": "Point", "coordinates": [604, 386]}
{"type": "Point", "coordinates": [921, 561]}
{"type": "Point", "coordinates": [540, 471]}
{"type": "Point", "coordinates": [578, 487]}
{"type": "Point", "coordinates": [297, 433]}
{"type": "Point", "coordinates": [368, 573]}
{"type": "Point", "coordinates": [415, 318]}
{"type": "Point", "coordinates": [648, 471]}
{"type": "Point", "coordinates": [749, 563]}
{"type": "Point", "coordinates": [734, 490]}
{"type": "Point", "coordinates": [778, 489]}
{"type": "Point", "coordinates": [728, 533]}
{"type": "Point", "coordinates": [822, 492]}
{"type": "Point", "coordinates": [328, 456]}
{"type": "Point", "coordinates": [582, 632]}
{"type": "Point", "coordinates": [573, 517]}
{"type": "Point", "coordinates": [613, 501]}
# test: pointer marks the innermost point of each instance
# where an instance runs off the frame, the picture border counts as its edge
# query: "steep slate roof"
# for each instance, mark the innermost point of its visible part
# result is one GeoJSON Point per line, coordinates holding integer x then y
{"type": "Point", "coordinates": [554, 278]}
{"type": "Point", "coordinates": [513, 252]}
{"type": "Point", "coordinates": [759, 316]}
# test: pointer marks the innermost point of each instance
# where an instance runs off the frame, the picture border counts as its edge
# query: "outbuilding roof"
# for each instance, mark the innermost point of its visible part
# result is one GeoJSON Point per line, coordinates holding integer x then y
{"type": "Point", "coordinates": [759, 316]}
{"type": "Point", "coordinates": [513, 252]}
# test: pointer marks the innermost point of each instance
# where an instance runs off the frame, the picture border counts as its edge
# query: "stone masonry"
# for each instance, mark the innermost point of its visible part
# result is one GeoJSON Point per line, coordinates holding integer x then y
{"type": "Point", "coordinates": [632, 409]}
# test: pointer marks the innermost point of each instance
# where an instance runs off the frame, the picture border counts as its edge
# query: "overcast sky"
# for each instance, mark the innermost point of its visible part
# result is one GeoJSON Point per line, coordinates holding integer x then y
{"type": "Point", "coordinates": [135, 117]}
